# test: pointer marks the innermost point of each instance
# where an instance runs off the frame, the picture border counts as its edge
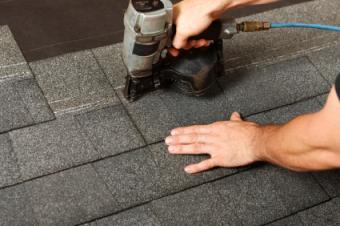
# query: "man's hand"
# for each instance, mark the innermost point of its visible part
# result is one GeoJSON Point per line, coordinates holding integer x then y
{"type": "Point", "coordinates": [229, 143]}
{"type": "Point", "coordinates": [192, 17]}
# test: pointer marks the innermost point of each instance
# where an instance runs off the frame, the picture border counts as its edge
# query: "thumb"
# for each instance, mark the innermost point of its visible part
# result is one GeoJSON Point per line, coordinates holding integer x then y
{"type": "Point", "coordinates": [235, 117]}
{"type": "Point", "coordinates": [180, 41]}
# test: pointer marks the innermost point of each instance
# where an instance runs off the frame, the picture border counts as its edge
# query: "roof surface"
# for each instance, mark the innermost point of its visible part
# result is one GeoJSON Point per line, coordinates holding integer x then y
{"type": "Point", "coordinates": [74, 152]}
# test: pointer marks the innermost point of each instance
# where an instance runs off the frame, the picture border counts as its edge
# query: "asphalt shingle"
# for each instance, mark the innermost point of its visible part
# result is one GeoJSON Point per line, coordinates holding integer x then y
{"type": "Point", "coordinates": [34, 99]}
{"type": "Point", "coordinates": [13, 111]}
{"type": "Point", "coordinates": [151, 116]}
{"type": "Point", "coordinates": [12, 63]}
{"type": "Point", "coordinates": [73, 82]}
{"type": "Point", "coordinates": [287, 113]}
{"type": "Point", "coordinates": [15, 208]}
{"type": "Point", "coordinates": [293, 220]}
{"type": "Point", "coordinates": [171, 168]}
{"type": "Point", "coordinates": [110, 59]}
{"type": "Point", "coordinates": [50, 147]}
{"type": "Point", "coordinates": [111, 130]}
{"type": "Point", "coordinates": [197, 206]}
{"type": "Point", "coordinates": [138, 216]}
{"type": "Point", "coordinates": [191, 110]}
{"type": "Point", "coordinates": [324, 214]}
{"type": "Point", "coordinates": [70, 197]}
{"type": "Point", "coordinates": [132, 178]}
{"type": "Point", "coordinates": [265, 194]}
{"type": "Point", "coordinates": [9, 170]}
{"type": "Point", "coordinates": [256, 90]}
{"type": "Point", "coordinates": [330, 181]}
{"type": "Point", "coordinates": [328, 62]}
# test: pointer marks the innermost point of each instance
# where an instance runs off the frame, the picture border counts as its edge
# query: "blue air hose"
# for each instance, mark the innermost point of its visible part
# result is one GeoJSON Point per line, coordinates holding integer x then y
{"type": "Point", "coordinates": [303, 25]}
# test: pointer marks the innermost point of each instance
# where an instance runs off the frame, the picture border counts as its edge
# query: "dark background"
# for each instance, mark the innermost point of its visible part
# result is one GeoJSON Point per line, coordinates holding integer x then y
{"type": "Point", "coordinates": [45, 28]}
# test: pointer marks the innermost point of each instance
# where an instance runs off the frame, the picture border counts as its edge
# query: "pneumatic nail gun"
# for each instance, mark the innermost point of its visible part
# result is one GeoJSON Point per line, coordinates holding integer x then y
{"type": "Point", "coordinates": [149, 31]}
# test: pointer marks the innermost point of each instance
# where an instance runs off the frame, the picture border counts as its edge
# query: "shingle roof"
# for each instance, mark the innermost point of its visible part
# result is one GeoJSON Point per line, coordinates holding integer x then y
{"type": "Point", "coordinates": [73, 151]}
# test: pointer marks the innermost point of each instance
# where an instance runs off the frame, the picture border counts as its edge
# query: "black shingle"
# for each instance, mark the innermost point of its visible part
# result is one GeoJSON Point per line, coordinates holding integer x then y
{"type": "Point", "coordinates": [264, 194]}
{"type": "Point", "coordinates": [50, 147]}
{"type": "Point", "coordinates": [330, 181]}
{"type": "Point", "coordinates": [110, 130]}
{"type": "Point", "coordinates": [328, 62]}
{"type": "Point", "coordinates": [197, 110]}
{"type": "Point", "coordinates": [171, 168]}
{"type": "Point", "coordinates": [34, 99]}
{"type": "Point", "coordinates": [324, 214]}
{"type": "Point", "coordinates": [15, 208]}
{"type": "Point", "coordinates": [151, 116]}
{"type": "Point", "coordinates": [70, 197]}
{"type": "Point", "coordinates": [9, 170]}
{"type": "Point", "coordinates": [197, 206]}
{"type": "Point", "coordinates": [132, 178]}
{"type": "Point", "coordinates": [73, 82]}
{"type": "Point", "coordinates": [110, 59]}
{"type": "Point", "coordinates": [138, 216]}
{"type": "Point", "coordinates": [293, 220]}
{"type": "Point", "coordinates": [256, 90]}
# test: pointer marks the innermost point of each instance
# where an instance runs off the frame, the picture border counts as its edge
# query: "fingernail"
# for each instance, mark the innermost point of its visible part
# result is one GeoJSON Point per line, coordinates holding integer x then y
{"type": "Point", "coordinates": [171, 148]}
{"type": "Point", "coordinates": [173, 132]}
{"type": "Point", "coordinates": [168, 140]}
{"type": "Point", "coordinates": [188, 169]}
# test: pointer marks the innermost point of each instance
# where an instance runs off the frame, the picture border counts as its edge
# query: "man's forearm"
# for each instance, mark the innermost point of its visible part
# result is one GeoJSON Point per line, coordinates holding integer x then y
{"type": "Point", "coordinates": [305, 143]}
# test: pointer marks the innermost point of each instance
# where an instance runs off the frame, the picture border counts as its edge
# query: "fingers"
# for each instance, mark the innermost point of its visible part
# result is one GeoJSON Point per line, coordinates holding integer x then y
{"type": "Point", "coordinates": [199, 167]}
{"type": "Point", "coordinates": [195, 149]}
{"type": "Point", "coordinates": [191, 130]}
{"type": "Point", "coordinates": [235, 117]}
{"type": "Point", "coordinates": [173, 52]}
{"type": "Point", "coordinates": [189, 139]}
{"type": "Point", "coordinates": [180, 41]}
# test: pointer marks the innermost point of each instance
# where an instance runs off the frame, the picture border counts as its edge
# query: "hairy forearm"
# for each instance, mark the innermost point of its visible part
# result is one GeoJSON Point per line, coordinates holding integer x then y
{"type": "Point", "coordinates": [301, 145]}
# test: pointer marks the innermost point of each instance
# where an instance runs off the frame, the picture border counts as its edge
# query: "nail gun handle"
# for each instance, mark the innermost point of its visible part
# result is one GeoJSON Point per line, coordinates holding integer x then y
{"type": "Point", "coordinates": [213, 32]}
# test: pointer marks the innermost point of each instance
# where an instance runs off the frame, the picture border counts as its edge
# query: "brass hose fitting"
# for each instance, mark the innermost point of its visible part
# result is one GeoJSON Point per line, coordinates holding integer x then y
{"type": "Point", "coordinates": [252, 26]}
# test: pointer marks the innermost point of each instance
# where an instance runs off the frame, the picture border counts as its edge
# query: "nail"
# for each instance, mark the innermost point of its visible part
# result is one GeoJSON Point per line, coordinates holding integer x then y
{"type": "Point", "coordinates": [188, 169]}
{"type": "Point", "coordinates": [171, 148]}
{"type": "Point", "coordinates": [168, 140]}
{"type": "Point", "coordinates": [173, 132]}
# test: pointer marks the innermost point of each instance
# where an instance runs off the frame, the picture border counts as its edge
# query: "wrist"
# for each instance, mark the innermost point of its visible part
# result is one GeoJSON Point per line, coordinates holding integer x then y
{"type": "Point", "coordinates": [264, 142]}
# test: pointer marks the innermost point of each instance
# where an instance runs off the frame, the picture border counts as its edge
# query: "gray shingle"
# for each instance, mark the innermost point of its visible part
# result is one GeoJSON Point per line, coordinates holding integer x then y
{"type": "Point", "coordinates": [110, 59]}
{"type": "Point", "coordinates": [132, 177]}
{"type": "Point", "coordinates": [252, 91]}
{"type": "Point", "coordinates": [138, 216]}
{"type": "Point", "coordinates": [9, 170]}
{"type": "Point", "coordinates": [322, 99]}
{"type": "Point", "coordinates": [171, 168]}
{"type": "Point", "coordinates": [250, 48]}
{"type": "Point", "coordinates": [253, 196]}
{"type": "Point", "coordinates": [34, 99]}
{"type": "Point", "coordinates": [70, 197]}
{"type": "Point", "coordinates": [202, 110]}
{"type": "Point", "coordinates": [293, 220]}
{"type": "Point", "coordinates": [197, 206]}
{"type": "Point", "coordinates": [151, 116]}
{"type": "Point", "coordinates": [330, 181]}
{"type": "Point", "coordinates": [268, 193]}
{"type": "Point", "coordinates": [111, 130]}
{"type": "Point", "coordinates": [325, 214]}
{"type": "Point", "coordinates": [13, 111]}
{"type": "Point", "coordinates": [12, 62]}
{"type": "Point", "coordinates": [287, 113]}
{"type": "Point", "coordinates": [15, 208]}
{"type": "Point", "coordinates": [328, 62]}
{"type": "Point", "coordinates": [298, 191]}
{"type": "Point", "coordinates": [73, 81]}
{"type": "Point", "coordinates": [49, 147]}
